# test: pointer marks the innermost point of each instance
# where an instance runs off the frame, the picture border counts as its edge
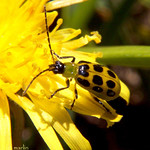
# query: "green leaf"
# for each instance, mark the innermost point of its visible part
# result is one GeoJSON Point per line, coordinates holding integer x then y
{"type": "Point", "coordinates": [133, 56]}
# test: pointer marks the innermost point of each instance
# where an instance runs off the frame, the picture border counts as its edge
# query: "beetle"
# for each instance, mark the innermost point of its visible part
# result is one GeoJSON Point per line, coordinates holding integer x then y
{"type": "Point", "coordinates": [99, 80]}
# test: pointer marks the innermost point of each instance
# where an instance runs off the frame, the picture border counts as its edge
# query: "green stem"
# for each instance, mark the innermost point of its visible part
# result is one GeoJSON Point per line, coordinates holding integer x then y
{"type": "Point", "coordinates": [133, 56]}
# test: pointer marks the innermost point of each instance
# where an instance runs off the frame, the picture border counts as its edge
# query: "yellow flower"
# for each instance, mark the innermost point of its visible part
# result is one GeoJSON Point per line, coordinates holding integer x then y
{"type": "Point", "coordinates": [24, 53]}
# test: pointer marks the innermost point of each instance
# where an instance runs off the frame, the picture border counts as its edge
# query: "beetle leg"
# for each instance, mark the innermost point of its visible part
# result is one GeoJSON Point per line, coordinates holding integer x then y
{"type": "Point", "coordinates": [65, 57]}
{"type": "Point", "coordinates": [67, 83]}
{"type": "Point", "coordinates": [76, 96]}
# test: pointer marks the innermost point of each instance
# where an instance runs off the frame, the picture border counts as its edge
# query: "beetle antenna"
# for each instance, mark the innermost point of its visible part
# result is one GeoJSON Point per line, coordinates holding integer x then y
{"type": "Point", "coordinates": [47, 31]}
{"type": "Point", "coordinates": [51, 52]}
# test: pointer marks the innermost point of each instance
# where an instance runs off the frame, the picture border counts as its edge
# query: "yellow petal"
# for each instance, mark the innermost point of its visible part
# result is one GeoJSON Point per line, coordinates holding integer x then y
{"type": "Point", "coordinates": [64, 35]}
{"type": "Point", "coordinates": [61, 3]}
{"type": "Point", "coordinates": [125, 93]}
{"type": "Point", "coordinates": [5, 126]}
{"type": "Point", "coordinates": [62, 123]}
{"type": "Point", "coordinates": [34, 112]}
{"type": "Point", "coordinates": [75, 44]}
{"type": "Point", "coordinates": [54, 116]}
{"type": "Point", "coordinates": [44, 127]}
{"type": "Point", "coordinates": [39, 20]}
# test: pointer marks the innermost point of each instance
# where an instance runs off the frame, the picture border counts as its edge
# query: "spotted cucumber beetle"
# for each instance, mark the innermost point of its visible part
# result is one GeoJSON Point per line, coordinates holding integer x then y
{"type": "Point", "coordinates": [99, 80]}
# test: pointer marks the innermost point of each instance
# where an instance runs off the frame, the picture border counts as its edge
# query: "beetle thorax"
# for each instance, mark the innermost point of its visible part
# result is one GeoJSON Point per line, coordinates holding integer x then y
{"type": "Point", "coordinates": [70, 70]}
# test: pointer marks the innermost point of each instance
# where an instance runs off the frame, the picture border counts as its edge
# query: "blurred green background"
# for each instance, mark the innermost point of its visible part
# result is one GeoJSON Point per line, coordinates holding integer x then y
{"type": "Point", "coordinates": [121, 23]}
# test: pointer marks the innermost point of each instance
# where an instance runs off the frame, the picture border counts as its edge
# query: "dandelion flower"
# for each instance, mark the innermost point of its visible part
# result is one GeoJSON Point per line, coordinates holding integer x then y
{"type": "Point", "coordinates": [24, 53]}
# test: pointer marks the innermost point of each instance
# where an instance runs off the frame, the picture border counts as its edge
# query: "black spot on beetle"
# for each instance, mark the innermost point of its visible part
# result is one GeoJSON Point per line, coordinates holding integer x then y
{"type": "Point", "coordinates": [97, 89]}
{"type": "Point", "coordinates": [110, 93]}
{"type": "Point", "coordinates": [97, 80]}
{"type": "Point", "coordinates": [111, 74]}
{"type": "Point", "coordinates": [98, 68]}
{"type": "Point", "coordinates": [83, 73]}
{"type": "Point", "coordinates": [83, 82]}
{"type": "Point", "coordinates": [84, 67]}
{"type": "Point", "coordinates": [82, 70]}
{"type": "Point", "coordinates": [110, 84]}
